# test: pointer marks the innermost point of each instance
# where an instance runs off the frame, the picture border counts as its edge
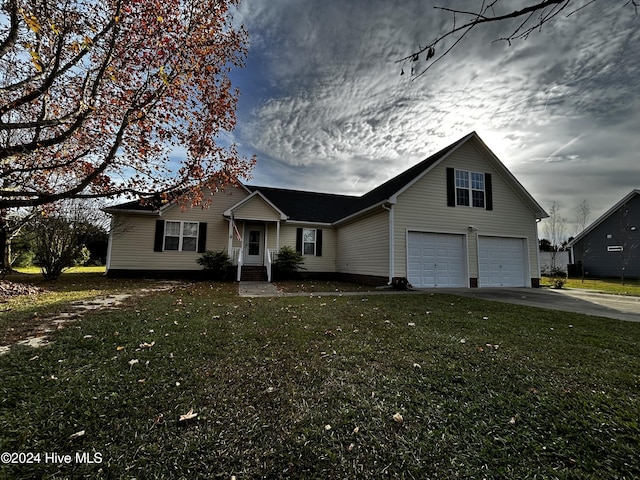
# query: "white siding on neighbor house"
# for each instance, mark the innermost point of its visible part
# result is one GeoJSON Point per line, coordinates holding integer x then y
{"type": "Point", "coordinates": [423, 207]}
{"type": "Point", "coordinates": [324, 263]}
{"type": "Point", "coordinates": [363, 245]}
{"type": "Point", "coordinates": [133, 235]}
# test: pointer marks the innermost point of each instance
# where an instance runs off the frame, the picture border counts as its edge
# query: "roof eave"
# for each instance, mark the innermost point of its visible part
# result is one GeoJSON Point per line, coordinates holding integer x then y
{"type": "Point", "coordinates": [131, 211]}
{"type": "Point", "coordinates": [362, 212]}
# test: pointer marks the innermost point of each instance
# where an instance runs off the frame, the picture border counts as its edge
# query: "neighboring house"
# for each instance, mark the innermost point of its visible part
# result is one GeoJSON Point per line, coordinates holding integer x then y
{"type": "Point", "coordinates": [457, 219]}
{"type": "Point", "coordinates": [610, 246]}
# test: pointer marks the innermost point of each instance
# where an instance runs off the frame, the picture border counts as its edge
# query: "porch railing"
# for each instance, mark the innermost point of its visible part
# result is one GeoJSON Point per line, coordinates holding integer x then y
{"type": "Point", "coordinates": [236, 259]}
{"type": "Point", "coordinates": [272, 255]}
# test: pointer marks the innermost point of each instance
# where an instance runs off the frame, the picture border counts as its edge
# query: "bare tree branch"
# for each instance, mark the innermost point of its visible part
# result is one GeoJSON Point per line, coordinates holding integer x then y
{"type": "Point", "coordinates": [535, 15]}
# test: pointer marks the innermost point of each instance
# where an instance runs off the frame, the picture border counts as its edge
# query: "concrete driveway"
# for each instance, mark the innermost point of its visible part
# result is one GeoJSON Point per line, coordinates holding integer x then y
{"type": "Point", "coordinates": [567, 300]}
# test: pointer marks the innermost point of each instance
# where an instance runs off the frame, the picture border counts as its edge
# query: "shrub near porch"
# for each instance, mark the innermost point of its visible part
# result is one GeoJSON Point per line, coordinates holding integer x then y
{"type": "Point", "coordinates": [420, 386]}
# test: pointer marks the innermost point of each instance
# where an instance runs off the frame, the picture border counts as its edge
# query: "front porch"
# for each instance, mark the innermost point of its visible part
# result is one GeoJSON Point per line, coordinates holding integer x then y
{"type": "Point", "coordinates": [254, 236]}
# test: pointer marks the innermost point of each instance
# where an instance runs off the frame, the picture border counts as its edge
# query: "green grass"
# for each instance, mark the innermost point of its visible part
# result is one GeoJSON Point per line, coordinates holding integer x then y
{"type": "Point", "coordinates": [307, 388]}
{"type": "Point", "coordinates": [19, 314]}
{"type": "Point", "coordinates": [611, 285]}
{"type": "Point", "coordinates": [84, 270]}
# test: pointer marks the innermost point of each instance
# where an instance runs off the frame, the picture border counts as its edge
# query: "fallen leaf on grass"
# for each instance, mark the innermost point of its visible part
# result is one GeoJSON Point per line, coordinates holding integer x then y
{"type": "Point", "coordinates": [147, 345]}
{"type": "Point", "coordinates": [187, 416]}
{"type": "Point", "coordinates": [119, 348]}
{"type": "Point", "coordinates": [356, 430]}
{"type": "Point", "coordinates": [76, 435]}
{"type": "Point", "coordinates": [397, 418]}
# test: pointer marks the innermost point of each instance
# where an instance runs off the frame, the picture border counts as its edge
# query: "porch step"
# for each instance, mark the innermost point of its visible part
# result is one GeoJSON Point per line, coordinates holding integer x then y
{"type": "Point", "coordinates": [253, 274]}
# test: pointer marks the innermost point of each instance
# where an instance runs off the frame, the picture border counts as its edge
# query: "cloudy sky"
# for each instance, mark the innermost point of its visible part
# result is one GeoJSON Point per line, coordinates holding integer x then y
{"type": "Point", "coordinates": [324, 107]}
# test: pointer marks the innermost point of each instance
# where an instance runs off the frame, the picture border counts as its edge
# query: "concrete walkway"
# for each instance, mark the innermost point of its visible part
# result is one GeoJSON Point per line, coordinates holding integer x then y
{"type": "Point", "coordinates": [258, 289]}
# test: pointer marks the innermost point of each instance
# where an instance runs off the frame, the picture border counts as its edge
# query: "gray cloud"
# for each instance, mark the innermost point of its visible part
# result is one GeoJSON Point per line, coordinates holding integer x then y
{"type": "Point", "coordinates": [559, 109]}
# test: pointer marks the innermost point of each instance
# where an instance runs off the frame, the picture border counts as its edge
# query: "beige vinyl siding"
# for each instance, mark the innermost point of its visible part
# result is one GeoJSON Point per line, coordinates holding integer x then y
{"type": "Point", "coordinates": [256, 209]}
{"type": "Point", "coordinates": [324, 263]}
{"type": "Point", "coordinates": [423, 206]}
{"type": "Point", "coordinates": [363, 245]}
{"type": "Point", "coordinates": [133, 235]}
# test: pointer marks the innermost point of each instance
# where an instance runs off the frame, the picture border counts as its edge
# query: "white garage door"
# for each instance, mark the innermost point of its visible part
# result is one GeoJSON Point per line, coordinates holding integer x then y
{"type": "Point", "coordinates": [436, 260]}
{"type": "Point", "coordinates": [502, 262]}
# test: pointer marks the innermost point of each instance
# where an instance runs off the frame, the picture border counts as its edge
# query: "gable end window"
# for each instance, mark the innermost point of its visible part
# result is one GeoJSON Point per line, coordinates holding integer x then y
{"type": "Point", "coordinates": [180, 236]}
{"type": "Point", "coordinates": [472, 189]}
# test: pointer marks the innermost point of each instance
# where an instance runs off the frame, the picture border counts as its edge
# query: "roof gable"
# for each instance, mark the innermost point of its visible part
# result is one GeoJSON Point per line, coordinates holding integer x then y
{"type": "Point", "coordinates": [256, 205]}
{"type": "Point", "coordinates": [627, 198]}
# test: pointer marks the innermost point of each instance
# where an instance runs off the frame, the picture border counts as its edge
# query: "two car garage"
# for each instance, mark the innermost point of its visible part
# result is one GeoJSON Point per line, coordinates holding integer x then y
{"type": "Point", "coordinates": [441, 260]}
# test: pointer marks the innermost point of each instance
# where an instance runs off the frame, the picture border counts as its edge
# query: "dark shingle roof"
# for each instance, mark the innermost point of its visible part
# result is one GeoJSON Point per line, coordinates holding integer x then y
{"type": "Point", "coordinates": [308, 206]}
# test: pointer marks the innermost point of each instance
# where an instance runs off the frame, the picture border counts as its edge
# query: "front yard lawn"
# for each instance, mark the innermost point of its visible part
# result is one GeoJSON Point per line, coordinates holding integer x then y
{"type": "Point", "coordinates": [399, 386]}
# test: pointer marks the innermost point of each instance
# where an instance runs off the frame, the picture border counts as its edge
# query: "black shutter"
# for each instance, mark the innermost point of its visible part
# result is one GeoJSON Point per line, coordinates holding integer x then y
{"type": "Point", "coordinates": [451, 187]}
{"type": "Point", "coordinates": [202, 237]}
{"type": "Point", "coordinates": [488, 191]}
{"type": "Point", "coordinates": [299, 240]}
{"type": "Point", "coordinates": [318, 242]}
{"type": "Point", "coordinates": [159, 238]}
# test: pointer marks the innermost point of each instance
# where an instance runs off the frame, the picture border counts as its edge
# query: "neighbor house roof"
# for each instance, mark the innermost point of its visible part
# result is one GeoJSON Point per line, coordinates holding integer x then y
{"type": "Point", "coordinates": [305, 206]}
{"type": "Point", "coordinates": [604, 216]}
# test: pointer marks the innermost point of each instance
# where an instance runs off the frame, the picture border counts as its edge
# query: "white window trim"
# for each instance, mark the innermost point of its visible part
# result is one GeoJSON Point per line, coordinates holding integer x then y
{"type": "Point", "coordinates": [181, 236]}
{"type": "Point", "coordinates": [315, 242]}
{"type": "Point", "coordinates": [470, 188]}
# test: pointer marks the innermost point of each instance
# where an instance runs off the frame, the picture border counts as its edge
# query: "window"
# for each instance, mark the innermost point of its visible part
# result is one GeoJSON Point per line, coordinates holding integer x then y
{"type": "Point", "coordinates": [309, 241]}
{"type": "Point", "coordinates": [181, 236]}
{"type": "Point", "coordinates": [470, 188]}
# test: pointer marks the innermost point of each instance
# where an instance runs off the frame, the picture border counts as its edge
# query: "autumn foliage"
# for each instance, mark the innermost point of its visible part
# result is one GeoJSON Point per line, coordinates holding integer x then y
{"type": "Point", "coordinates": [96, 95]}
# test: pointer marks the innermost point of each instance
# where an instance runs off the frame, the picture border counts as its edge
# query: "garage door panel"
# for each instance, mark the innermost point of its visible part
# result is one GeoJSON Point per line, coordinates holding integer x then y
{"type": "Point", "coordinates": [436, 260]}
{"type": "Point", "coordinates": [502, 262]}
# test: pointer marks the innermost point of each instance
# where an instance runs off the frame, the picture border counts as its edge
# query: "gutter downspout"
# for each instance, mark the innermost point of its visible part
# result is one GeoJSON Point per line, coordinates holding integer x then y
{"type": "Point", "coordinates": [110, 245]}
{"type": "Point", "coordinates": [391, 241]}
{"type": "Point", "coordinates": [538, 220]}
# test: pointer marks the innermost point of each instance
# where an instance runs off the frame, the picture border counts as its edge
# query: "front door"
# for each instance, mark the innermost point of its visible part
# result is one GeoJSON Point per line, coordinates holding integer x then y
{"type": "Point", "coordinates": [253, 245]}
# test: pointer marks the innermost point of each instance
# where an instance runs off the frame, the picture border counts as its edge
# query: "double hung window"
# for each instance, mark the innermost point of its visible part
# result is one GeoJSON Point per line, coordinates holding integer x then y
{"type": "Point", "coordinates": [470, 188]}
{"type": "Point", "coordinates": [309, 241]}
{"type": "Point", "coordinates": [181, 236]}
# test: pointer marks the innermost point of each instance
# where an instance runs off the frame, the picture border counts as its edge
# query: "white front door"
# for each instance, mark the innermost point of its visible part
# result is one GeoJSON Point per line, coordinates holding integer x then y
{"type": "Point", "coordinates": [254, 245]}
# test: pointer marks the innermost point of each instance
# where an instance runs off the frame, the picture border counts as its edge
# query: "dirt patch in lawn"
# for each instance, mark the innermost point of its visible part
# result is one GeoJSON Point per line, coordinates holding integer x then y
{"type": "Point", "coordinates": [35, 332]}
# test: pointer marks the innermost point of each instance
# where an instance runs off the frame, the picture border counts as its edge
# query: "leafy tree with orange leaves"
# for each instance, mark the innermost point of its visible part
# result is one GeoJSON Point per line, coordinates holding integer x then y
{"type": "Point", "coordinates": [96, 95]}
